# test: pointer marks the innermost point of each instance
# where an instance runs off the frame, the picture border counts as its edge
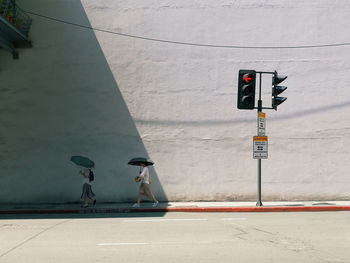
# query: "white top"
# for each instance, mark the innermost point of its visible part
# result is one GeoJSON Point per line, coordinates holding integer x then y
{"type": "Point", "coordinates": [85, 173]}
{"type": "Point", "coordinates": [144, 175]}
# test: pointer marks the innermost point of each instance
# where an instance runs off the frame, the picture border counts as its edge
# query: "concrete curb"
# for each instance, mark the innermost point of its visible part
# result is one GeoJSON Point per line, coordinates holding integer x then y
{"type": "Point", "coordinates": [182, 209]}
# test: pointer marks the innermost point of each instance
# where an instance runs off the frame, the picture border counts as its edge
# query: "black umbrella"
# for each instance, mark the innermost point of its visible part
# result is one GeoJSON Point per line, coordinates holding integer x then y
{"type": "Point", "coordinates": [139, 160]}
{"type": "Point", "coordinates": [82, 161]}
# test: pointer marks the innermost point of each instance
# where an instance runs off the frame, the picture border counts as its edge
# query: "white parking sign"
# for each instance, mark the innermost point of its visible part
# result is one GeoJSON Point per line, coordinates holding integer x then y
{"type": "Point", "coordinates": [260, 147]}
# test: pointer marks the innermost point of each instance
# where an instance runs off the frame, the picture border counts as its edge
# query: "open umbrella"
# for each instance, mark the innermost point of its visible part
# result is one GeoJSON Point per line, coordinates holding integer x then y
{"type": "Point", "coordinates": [138, 160]}
{"type": "Point", "coordinates": [82, 161]}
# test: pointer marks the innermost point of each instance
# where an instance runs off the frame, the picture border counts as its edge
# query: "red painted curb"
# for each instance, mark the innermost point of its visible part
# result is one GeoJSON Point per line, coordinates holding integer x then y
{"type": "Point", "coordinates": [183, 209]}
{"type": "Point", "coordinates": [260, 209]}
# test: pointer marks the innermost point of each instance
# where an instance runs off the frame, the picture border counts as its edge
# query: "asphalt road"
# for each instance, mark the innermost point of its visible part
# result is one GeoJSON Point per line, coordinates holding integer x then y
{"type": "Point", "coordinates": [177, 237]}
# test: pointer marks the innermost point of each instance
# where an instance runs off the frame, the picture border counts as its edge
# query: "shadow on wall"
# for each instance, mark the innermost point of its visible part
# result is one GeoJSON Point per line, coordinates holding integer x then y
{"type": "Point", "coordinates": [61, 99]}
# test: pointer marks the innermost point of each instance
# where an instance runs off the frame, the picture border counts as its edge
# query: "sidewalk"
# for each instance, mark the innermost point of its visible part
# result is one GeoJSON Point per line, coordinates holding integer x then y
{"type": "Point", "coordinates": [308, 206]}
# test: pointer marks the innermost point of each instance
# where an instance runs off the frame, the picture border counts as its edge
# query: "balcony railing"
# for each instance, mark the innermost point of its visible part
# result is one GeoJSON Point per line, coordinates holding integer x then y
{"type": "Point", "coordinates": [14, 27]}
{"type": "Point", "coordinates": [15, 16]}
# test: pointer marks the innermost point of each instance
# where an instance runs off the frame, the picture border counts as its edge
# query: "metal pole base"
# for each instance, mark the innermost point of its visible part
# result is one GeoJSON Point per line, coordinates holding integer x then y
{"type": "Point", "coordinates": [259, 203]}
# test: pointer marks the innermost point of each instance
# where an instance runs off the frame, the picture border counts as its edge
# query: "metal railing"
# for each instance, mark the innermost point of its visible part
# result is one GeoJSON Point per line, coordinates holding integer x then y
{"type": "Point", "coordinates": [13, 14]}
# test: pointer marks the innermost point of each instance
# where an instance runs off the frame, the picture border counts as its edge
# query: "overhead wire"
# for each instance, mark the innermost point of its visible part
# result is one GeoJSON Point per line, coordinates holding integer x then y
{"type": "Point", "coordinates": [186, 43]}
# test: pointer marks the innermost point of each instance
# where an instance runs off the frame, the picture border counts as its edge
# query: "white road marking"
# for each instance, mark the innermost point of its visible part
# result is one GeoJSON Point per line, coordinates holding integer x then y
{"type": "Point", "coordinates": [139, 243]}
{"type": "Point", "coordinates": [152, 243]}
{"type": "Point", "coordinates": [234, 219]}
{"type": "Point", "coordinates": [122, 244]}
{"type": "Point", "coordinates": [166, 220]}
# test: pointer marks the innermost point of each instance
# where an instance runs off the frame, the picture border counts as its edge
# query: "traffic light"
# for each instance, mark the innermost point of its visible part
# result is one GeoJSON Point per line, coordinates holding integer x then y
{"type": "Point", "coordinates": [246, 89]}
{"type": "Point", "coordinates": [276, 90]}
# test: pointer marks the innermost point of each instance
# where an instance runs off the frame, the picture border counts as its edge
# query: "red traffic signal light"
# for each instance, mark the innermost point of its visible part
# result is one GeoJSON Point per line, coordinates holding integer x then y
{"type": "Point", "coordinates": [246, 89]}
{"type": "Point", "coordinates": [247, 78]}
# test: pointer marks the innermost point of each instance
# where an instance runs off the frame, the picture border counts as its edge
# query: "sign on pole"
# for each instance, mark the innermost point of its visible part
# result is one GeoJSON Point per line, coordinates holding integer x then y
{"type": "Point", "coordinates": [261, 123]}
{"type": "Point", "coordinates": [260, 147]}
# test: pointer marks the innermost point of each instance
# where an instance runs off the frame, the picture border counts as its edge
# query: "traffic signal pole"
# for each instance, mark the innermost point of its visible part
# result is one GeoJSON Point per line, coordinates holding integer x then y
{"type": "Point", "coordinates": [260, 108]}
{"type": "Point", "coordinates": [246, 101]}
{"type": "Point", "coordinates": [259, 202]}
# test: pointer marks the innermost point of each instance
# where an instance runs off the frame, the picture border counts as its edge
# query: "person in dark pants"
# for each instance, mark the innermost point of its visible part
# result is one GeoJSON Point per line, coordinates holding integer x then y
{"type": "Point", "coordinates": [87, 193]}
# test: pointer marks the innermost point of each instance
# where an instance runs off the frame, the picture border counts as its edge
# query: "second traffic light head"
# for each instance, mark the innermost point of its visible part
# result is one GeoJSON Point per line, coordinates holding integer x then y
{"type": "Point", "coordinates": [276, 90]}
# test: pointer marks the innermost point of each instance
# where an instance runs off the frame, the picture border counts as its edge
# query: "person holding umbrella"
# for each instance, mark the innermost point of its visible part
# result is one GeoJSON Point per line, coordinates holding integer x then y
{"type": "Point", "coordinates": [88, 177]}
{"type": "Point", "coordinates": [87, 193]}
{"type": "Point", "coordinates": [144, 179]}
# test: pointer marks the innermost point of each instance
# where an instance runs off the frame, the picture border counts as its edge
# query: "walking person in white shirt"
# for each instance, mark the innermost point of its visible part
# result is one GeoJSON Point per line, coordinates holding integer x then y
{"type": "Point", "coordinates": [145, 187]}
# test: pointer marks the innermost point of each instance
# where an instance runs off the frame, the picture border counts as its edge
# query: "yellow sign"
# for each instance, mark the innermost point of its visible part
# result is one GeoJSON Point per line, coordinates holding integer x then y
{"type": "Point", "coordinates": [260, 138]}
{"type": "Point", "coordinates": [262, 115]}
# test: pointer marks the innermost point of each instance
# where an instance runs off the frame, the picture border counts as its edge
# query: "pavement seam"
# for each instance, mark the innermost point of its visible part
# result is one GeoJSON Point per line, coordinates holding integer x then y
{"type": "Point", "coordinates": [32, 237]}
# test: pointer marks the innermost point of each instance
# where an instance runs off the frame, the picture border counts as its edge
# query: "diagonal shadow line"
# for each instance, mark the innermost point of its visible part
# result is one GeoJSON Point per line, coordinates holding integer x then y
{"type": "Point", "coordinates": [209, 122]}
{"type": "Point", "coordinates": [156, 182]}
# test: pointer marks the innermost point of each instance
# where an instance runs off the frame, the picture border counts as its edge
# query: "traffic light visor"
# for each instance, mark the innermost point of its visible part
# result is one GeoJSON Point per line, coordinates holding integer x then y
{"type": "Point", "coordinates": [278, 79]}
{"type": "Point", "coordinates": [247, 89]}
{"type": "Point", "coordinates": [278, 90]}
{"type": "Point", "coordinates": [277, 101]}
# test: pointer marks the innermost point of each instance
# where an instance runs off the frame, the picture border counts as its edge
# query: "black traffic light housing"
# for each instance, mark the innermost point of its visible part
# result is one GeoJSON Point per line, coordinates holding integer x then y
{"type": "Point", "coordinates": [276, 90]}
{"type": "Point", "coordinates": [246, 89]}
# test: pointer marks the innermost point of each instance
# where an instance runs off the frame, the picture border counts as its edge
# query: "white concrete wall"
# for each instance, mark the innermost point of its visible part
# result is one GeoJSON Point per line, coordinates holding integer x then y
{"type": "Point", "coordinates": [182, 99]}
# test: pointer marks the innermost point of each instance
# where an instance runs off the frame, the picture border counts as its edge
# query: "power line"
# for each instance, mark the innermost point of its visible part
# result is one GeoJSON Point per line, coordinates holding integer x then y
{"type": "Point", "coordinates": [187, 43]}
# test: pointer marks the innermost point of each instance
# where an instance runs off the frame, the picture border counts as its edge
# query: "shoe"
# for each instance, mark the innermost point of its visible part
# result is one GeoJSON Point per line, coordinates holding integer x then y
{"type": "Point", "coordinates": [85, 206]}
{"type": "Point", "coordinates": [155, 204]}
{"type": "Point", "coordinates": [136, 205]}
{"type": "Point", "coordinates": [94, 202]}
